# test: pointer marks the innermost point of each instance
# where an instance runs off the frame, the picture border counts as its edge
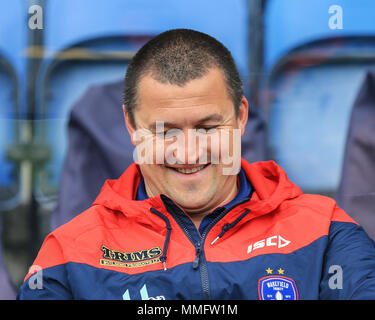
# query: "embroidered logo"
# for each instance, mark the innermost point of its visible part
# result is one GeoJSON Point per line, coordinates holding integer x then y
{"type": "Point", "coordinates": [130, 259]}
{"type": "Point", "coordinates": [277, 287]}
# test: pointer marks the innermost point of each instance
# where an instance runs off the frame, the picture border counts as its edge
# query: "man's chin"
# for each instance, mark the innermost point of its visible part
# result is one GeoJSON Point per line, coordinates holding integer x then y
{"type": "Point", "coordinates": [191, 203]}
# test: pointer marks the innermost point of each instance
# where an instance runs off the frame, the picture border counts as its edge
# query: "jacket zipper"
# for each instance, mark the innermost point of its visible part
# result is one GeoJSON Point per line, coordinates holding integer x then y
{"type": "Point", "coordinates": [200, 260]}
{"type": "Point", "coordinates": [198, 252]}
{"type": "Point", "coordinates": [204, 270]}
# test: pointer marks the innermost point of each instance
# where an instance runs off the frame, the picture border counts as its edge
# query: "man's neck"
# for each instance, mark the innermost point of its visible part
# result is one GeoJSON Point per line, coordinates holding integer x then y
{"type": "Point", "coordinates": [198, 215]}
{"type": "Point", "coordinates": [238, 187]}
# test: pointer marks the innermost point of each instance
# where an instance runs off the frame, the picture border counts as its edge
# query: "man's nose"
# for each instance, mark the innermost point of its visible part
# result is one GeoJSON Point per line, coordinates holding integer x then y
{"type": "Point", "coordinates": [190, 149]}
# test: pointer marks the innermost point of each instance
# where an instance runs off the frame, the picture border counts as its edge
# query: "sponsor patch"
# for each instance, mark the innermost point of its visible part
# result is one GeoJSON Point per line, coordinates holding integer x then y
{"type": "Point", "coordinates": [276, 241]}
{"type": "Point", "coordinates": [277, 287]}
{"type": "Point", "coordinates": [130, 259]}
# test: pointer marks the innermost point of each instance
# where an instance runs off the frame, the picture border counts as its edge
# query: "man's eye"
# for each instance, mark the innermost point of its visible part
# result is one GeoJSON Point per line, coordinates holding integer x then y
{"type": "Point", "coordinates": [207, 130]}
{"type": "Point", "coordinates": [168, 133]}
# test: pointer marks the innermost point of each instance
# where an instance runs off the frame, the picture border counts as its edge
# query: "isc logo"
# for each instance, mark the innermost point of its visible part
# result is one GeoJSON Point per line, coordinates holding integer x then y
{"type": "Point", "coordinates": [277, 241]}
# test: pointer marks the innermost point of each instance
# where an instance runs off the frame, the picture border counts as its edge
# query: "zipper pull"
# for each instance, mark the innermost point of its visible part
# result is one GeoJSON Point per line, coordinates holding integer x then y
{"type": "Point", "coordinates": [228, 226]}
{"type": "Point", "coordinates": [225, 228]}
{"type": "Point", "coordinates": [197, 257]}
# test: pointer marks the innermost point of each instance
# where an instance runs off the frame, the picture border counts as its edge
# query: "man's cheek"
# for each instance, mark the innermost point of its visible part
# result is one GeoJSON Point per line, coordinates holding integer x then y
{"type": "Point", "coordinates": [144, 150]}
{"type": "Point", "coordinates": [211, 147]}
{"type": "Point", "coordinates": [230, 151]}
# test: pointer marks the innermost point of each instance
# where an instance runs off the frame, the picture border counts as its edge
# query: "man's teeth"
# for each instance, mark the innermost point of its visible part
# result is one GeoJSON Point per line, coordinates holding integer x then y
{"type": "Point", "coordinates": [192, 170]}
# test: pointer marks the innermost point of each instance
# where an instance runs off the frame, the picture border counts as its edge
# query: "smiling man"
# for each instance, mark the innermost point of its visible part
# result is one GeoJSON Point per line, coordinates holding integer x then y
{"type": "Point", "coordinates": [198, 187]}
{"type": "Point", "coordinates": [178, 224]}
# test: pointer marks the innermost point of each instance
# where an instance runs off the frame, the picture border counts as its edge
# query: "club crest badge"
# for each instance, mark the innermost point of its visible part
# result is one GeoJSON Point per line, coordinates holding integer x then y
{"type": "Point", "coordinates": [277, 287]}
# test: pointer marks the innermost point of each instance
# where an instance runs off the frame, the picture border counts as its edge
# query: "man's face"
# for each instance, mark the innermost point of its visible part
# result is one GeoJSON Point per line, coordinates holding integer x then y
{"type": "Point", "coordinates": [187, 173]}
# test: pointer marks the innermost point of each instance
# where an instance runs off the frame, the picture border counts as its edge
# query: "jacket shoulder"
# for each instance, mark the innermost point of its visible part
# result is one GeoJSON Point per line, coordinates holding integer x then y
{"type": "Point", "coordinates": [88, 222]}
{"type": "Point", "coordinates": [325, 206]}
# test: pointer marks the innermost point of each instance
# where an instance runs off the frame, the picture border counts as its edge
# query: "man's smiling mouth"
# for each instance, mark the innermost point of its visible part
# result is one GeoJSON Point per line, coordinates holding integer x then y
{"type": "Point", "coordinates": [191, 170]}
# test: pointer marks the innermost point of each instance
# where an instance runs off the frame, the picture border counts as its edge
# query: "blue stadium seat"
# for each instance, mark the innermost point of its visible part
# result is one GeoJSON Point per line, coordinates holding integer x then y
{"type": "Point", "coordinates": [12, 71]}
{"type": "Point", "coordinates": [12, 62]}
{"type": "Point", "coordinates": [93, 47]}
{"type": "Point", "coordinates": [292, 23]}
{"type": "Point", "coordinates": [8, 131]}
{"type": "Point", "coordinates": [314, 73]}
{"type": "Point", "coordinates": [313, 94]}
{"type": "Point", "coordinates": [13, 19]}
{"type": "Point", "coordinates": [65, 81]}
{"type": "Point", "coordinates": [8, 180]}
{"type": "Point", "coordinates": [70, 22]}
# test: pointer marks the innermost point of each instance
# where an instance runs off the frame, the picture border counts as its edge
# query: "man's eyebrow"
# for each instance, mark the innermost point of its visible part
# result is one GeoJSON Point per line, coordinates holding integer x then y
{"type": "Point", "coordinates": [212, 117]}
{"type": "Point", "coordinates": [153, 126]}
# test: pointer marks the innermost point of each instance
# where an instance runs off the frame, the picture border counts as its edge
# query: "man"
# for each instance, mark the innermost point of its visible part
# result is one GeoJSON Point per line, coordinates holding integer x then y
{"type": "Point", "coordinates": [189, 222]}
{"type": "Point", "coordinates": [95, 154]}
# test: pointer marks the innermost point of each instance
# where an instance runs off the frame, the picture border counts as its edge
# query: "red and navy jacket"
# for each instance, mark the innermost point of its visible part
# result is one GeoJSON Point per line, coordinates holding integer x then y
{"type": "Point", "coordinates": [277, 243]}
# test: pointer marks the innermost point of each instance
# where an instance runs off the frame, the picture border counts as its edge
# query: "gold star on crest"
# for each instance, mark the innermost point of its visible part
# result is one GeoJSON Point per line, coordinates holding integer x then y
{"type": "Point", "coordinates": [269, 270]}
{"type": "Point", "coordinates": [280, 271]}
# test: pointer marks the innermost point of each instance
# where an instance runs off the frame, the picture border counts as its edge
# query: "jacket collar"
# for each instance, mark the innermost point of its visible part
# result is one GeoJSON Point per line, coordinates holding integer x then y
{"type": "Point", "coordinates": [270, 183]}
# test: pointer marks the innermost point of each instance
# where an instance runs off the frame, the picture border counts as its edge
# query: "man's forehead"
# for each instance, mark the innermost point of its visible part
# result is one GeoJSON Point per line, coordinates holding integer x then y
{"type": "Point", "coordinates": [211, 84]}
{"type": "Point", "coordinates": [190, 114]}
{"type": "Point", "coordinates": [205, 95]}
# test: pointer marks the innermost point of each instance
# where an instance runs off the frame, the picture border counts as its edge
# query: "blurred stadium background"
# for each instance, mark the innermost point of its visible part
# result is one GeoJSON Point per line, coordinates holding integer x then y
{"type": "Point", "coordinates": [301, 74]}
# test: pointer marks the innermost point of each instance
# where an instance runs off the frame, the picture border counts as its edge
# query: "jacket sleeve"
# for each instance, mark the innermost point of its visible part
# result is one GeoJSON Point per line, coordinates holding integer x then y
{"type": "Point", "coordinates": [349, 263]}
{"type": "Point", "coordinates": [47, 277]}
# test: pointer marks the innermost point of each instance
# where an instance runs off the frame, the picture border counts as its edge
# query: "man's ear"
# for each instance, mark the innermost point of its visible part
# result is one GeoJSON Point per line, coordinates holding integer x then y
{"type": "Point", "coordinates": [129, 125]}
{"type": "Point", "coordinates": [243, 114]}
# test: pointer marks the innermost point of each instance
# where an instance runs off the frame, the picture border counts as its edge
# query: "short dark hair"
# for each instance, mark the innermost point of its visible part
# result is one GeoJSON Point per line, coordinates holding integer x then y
{"type": "Point", "coordinates": [176, 57]}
